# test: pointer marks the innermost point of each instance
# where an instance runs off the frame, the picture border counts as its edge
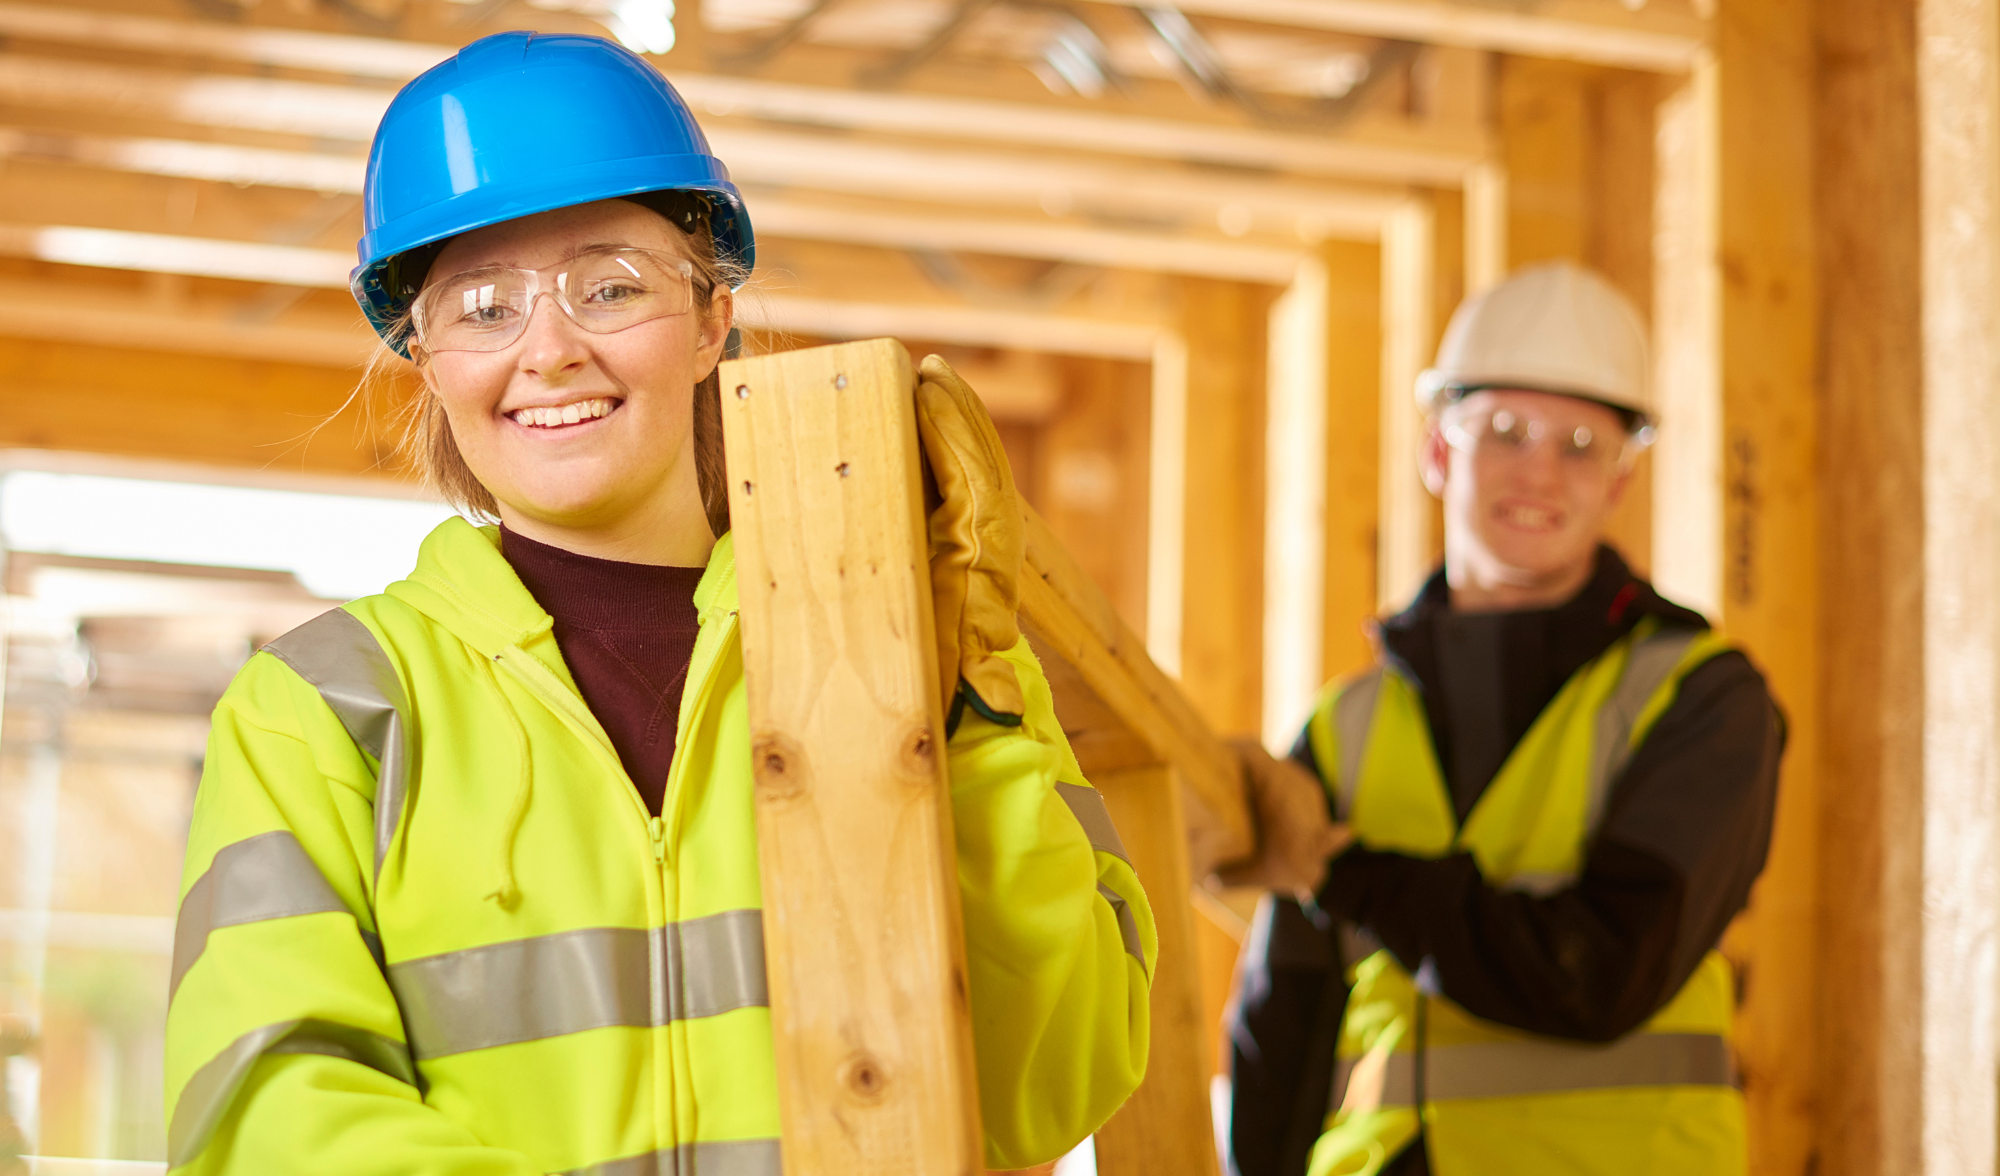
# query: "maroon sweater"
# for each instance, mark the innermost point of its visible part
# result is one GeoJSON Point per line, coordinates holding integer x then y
{"type": "Point", "coordinates": [627, 632]}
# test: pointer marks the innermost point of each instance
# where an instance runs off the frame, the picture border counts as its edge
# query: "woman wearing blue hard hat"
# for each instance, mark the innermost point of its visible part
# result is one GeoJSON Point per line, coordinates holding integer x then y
{"type": "Point", "coordinates": [472, 880]}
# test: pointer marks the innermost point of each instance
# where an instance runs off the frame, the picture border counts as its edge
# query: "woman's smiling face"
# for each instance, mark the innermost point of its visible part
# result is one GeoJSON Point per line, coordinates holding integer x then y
{"type": "Point", "coordinates": [574, 433]}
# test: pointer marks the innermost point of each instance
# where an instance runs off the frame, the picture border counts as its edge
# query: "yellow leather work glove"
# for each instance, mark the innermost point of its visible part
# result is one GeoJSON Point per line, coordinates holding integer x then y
{"type": "Point", "coordinates": [977, 542]}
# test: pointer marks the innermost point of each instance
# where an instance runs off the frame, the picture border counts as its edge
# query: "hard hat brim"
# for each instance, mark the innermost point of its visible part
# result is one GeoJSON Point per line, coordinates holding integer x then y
{"type": "Point", "coordinates": [487, 205]}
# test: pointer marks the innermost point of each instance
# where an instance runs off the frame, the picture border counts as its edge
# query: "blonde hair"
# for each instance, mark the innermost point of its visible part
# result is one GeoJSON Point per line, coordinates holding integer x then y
{"type": "Point", "coordinates": [417, 420]}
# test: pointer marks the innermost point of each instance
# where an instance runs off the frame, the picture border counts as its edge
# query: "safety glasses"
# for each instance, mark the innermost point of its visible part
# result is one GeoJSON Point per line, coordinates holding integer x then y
{"type": "Point", "coordinates": [1507, 435]}
{"type": "Point", "coordinates": [601, 290]}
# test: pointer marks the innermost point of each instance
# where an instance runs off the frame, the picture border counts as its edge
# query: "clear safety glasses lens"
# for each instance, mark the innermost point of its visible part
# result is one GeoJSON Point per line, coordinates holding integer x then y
{"type": "Point", "coordinates": [603, 291]}
{"type": "Point", "coordinates": [1505, 434]}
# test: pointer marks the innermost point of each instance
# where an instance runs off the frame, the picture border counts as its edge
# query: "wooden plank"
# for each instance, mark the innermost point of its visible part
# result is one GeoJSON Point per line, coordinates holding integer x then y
{"type": "Point", "coordinates": [1958, 71]}
{"type": "Point", "coordinates": [1165, 1128]}
{"type": "Point", "coordinates": [864, 946]}
{"type": "Point", "coordinates": [1124, 703]}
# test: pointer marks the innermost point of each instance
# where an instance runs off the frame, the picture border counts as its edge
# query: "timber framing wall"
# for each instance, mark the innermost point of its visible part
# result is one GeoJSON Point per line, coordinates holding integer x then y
{"type": "Point", "coordinates": [1800, 195]}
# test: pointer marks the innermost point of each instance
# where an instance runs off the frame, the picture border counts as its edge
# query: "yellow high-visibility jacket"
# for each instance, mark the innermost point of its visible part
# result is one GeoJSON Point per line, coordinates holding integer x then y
{"type": "Point", "coordinates": [428, 927]}
{"type": "Point", "coordinates": [1489, 1099]}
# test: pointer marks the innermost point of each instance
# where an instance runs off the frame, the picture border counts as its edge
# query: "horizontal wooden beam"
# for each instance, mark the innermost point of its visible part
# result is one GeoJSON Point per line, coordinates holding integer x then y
{"type": "Point", "coordinates": [349, 113]}
{"type": "Point", "coordinates": [1084, 245]}
{"type": "Point", "coordinates": [39, 310]}
{"type": "Point", "coordinates": [870, 167]}
{"type": "Point", "coordinates": [361, 57]}
{"type": "Point", "coordinates": [1574, 30]}
{"type": "Point", "coordinates": [314, 110]}
{"type": "Point", "coordinates": [1379, 155]}
{"type": "Point", "coordinates": [942, 323]}
{"type": "Point", "coordinates": [900, 170]}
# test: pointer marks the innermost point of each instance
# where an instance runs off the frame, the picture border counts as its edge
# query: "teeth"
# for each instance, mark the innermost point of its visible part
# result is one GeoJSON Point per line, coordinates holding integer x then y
{"type": "Point", "coordinates": [1528, 516]}
{"type": "Point", "coordinates": [568, 414]}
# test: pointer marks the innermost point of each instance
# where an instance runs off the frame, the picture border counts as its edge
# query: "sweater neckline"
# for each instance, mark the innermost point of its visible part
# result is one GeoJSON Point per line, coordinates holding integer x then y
{"type": "Point", "coordinates": [588, 592]}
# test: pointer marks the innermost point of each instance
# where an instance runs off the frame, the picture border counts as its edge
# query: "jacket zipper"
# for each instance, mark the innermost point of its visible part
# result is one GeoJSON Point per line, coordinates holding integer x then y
{"type": "Point", "coordinates": [670, 801]}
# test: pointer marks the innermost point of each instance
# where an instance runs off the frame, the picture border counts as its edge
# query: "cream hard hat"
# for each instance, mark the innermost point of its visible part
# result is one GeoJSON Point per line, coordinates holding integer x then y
{"type": "Point", "coordinates": [1551, 327]}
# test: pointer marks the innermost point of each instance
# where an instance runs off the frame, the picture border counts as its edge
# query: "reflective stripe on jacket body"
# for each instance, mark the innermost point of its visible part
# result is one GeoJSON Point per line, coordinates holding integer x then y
{"type": "Point", "coordinates": [428, 925]}
{"type": "Point", "coordinates": [1497, 1101]}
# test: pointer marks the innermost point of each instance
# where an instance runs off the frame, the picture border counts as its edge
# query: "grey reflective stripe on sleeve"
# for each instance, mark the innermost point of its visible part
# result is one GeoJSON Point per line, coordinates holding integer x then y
{"type": "Point", "coordinates": [575, 981]}
{"type": "Point", "coordinates": [734, 1157]}
{"type": "Point", "coordinates": [1128, 927]}
{"type": "Point", "coordinates": [1353, 719]}
{"type": "Point", "coordinates": [268, 876]}
{"type": "Point", "coordinates": [339, 656]}
{"type": "Point", "coordinates": [1647, 668]}
{"type": "Point", "coordinates": [1516, 1069]}
{"type": "Point", "coordinates": [206, 1097]}
{"type": "Point", "coordinates": [1090, 812]}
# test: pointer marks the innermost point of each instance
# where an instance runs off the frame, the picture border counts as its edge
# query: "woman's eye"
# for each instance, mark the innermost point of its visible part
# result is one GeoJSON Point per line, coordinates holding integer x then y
{"type": "Point", "coordinates": [613, 293]}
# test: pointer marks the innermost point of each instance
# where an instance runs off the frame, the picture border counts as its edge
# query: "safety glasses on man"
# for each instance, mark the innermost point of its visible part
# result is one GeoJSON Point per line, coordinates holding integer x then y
{"type": "Point", "coordinates": [1507, 434]}
{"type": "Point", "coordinates": [603, 289]}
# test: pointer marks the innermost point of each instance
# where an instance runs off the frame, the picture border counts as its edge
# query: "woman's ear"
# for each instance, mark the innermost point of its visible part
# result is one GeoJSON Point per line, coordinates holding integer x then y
{"type": "Point", "coordinates": [715, 326]}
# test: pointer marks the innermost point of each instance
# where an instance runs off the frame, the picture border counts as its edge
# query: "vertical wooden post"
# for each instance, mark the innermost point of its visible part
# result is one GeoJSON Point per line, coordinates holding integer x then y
{"type": "Point", "coordinates": [1295, 482]}
{"type": "Point", "coordinates": [1408, 344]}
{"type": "Point", "coordinates": [1222, 627]}
{"type": "Point", "coordinates": [1958, 71]}
{"type": "Point", "coordinates": [1738, 310]}
{"type": "Point", "coordinates": [1873, 626]}
{"type": "Point", "coordinates": [1164, 1129]}
{"type": "Point", "coordinates": [1353, 455]}
{"type": "Point", "coordinates": [863, 943]}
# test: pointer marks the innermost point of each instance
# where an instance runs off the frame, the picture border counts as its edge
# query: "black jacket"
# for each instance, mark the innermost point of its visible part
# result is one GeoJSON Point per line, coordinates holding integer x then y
{"type": "Point", "coordinates": [1684, 834]}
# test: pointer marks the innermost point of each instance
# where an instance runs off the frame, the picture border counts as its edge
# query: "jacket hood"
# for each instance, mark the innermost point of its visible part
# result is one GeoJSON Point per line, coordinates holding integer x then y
{"type": "Point", "coordinates": [462, 582]}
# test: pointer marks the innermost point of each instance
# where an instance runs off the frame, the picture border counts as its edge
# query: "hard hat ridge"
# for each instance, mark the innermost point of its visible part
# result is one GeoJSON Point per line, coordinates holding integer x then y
{"type": "Point", "coordinates": [1553, 327]}
{"type": "Point", "coordinates": [520, 123]}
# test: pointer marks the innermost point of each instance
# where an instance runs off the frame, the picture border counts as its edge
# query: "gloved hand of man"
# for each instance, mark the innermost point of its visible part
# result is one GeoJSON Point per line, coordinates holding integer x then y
{"type": "Point", "coordinates": [1295, 836]}
{"type": "Point", "coordinates": [977, 542]}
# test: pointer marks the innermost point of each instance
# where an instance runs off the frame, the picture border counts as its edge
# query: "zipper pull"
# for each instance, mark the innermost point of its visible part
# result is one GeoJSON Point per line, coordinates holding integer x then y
{"type": "Point", "coordinates": [658, 828]}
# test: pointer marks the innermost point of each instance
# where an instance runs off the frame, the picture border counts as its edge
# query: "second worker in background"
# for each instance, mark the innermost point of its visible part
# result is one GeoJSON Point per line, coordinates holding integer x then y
{"type": "Point", "coordinates": [1554, 790]}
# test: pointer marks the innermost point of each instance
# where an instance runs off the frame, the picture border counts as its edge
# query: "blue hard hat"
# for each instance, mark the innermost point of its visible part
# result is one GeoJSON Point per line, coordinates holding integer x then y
{"type": "Point", "coordinates": [520, 123]}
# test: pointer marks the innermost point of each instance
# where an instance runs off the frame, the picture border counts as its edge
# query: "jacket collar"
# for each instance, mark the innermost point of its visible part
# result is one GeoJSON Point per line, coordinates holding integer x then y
{"type": "Point", "coordinates": [462, 582]}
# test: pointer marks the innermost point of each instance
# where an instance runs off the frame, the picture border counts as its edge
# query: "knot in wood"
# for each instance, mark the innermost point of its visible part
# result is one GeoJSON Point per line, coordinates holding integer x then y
{"type": "Point", "coordinates": [921, 745]}
{"type": "Point", "coordinates": [863, 1078]}
{"type": "Point", "coordinates": [778, 767]}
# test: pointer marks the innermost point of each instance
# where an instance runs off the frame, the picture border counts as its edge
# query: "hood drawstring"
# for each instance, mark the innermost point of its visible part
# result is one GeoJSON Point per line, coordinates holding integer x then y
{"type": "Point", "coordinates": [508, 895]}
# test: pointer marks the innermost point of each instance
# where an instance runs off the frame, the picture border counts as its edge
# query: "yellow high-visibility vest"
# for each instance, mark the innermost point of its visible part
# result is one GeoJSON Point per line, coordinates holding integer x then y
{"type": "Point", "coordinates": [428, 926]}
{"type": "Point", "coordinates": [1492, 1100]}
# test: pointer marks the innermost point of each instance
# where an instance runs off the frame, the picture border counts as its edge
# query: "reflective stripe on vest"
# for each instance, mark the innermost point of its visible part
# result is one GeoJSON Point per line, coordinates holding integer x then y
{"type": "Point", "coordinates": [574, 981]}
{"type": "Point", "coordinates": [338, 655]}
{"type": "Point", "coordinates": [1488, 1099]}
{"type": "Point", "coordinates": [207, 1095]}
{"type": "Point", "coordinates": [1496, 1069]}
{"type": "Point", "coordinates": [734, 1157]}
{"type": "Point", "coordinates": [264, 877]}
{"type": "Point", "coordinates": [1651, 663]}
